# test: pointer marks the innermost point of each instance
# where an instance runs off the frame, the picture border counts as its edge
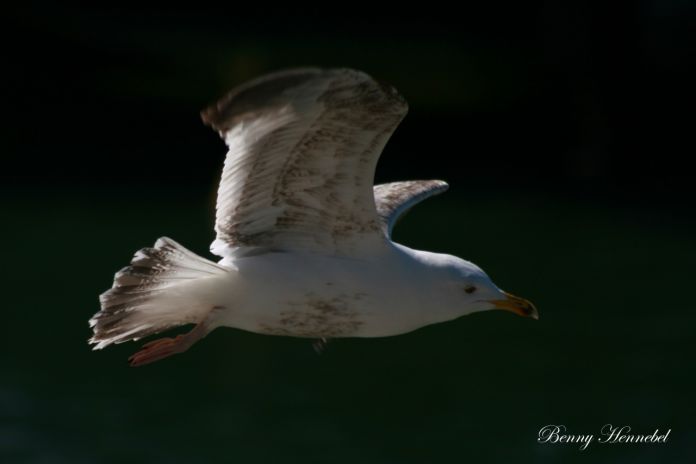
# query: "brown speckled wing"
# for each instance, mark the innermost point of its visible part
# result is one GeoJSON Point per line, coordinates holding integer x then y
{"type": "Point", "coordinates": [394, 199]}
{"type": "Point", "coordinates": [303, 146]}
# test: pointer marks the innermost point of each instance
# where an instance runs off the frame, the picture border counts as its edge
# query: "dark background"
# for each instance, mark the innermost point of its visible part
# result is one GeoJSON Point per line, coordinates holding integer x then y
{"type": "Point", "coordinates": [564, 131]}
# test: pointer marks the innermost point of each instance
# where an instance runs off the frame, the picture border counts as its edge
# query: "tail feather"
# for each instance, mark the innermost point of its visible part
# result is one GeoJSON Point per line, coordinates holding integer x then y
{"type": "Point", "coordinates": [157, 291]}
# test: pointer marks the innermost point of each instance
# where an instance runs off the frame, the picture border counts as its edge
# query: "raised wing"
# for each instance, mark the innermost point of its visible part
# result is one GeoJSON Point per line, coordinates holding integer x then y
{"type": "Point", "coordinates": [303, 146]}
{"type": "Point", "coordinates": [396, 198]}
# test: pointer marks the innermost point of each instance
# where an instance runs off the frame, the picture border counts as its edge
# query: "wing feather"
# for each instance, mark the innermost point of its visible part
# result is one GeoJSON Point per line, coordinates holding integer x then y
{"type": "Point", "coordinates": [394, 199]}
{"type": "Point", "coordinates": [303, 147]}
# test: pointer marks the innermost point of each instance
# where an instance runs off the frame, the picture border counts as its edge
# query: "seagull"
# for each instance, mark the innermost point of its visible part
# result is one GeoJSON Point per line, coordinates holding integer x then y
{"type": "Point", "coordinates": [303, 235]}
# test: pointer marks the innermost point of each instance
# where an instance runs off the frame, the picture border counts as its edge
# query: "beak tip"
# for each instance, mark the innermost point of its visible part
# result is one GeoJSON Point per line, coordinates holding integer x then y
{"type": "Point", "coordinates": [517, 305]}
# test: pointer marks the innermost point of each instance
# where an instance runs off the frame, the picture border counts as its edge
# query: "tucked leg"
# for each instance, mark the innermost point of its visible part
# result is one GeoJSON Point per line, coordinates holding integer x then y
{"type": "Point", "coordinates": [164, 347]}
{"type": "Point", "coordinates": [320, 344]}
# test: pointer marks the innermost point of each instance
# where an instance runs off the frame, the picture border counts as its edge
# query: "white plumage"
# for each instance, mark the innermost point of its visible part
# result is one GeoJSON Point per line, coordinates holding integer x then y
{"type": "Point", "coordinates": [304, 237]}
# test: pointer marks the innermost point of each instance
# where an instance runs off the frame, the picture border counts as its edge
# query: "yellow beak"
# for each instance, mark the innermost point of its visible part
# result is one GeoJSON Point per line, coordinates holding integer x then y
{"type": "Point", "coordinates": [516, 305]}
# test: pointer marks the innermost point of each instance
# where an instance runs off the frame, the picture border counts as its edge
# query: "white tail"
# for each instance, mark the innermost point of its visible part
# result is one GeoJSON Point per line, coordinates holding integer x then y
{"type": "Point", "coordinates": [164, 287]}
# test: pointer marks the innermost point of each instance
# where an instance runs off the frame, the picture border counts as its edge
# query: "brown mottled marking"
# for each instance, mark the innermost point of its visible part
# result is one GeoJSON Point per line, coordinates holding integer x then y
{"type": "Point", "coordinates": [394, 199]}
{"type": "Point", "coordinates": [305, 146]}
{"type": "Point", "coordinates": [317, 317]}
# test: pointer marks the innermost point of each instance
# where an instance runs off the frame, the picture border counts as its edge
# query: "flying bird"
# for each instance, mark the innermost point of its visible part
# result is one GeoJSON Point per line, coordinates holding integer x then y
{"type": "Point", "coordinates": [303, 235]}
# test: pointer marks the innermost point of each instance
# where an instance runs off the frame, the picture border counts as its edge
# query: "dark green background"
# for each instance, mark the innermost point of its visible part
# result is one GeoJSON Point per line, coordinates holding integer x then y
{"type": "Point", "coordinates": [562, 130]}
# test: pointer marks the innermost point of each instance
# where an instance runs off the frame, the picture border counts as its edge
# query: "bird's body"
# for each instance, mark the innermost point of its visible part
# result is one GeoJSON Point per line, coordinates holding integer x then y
{"type": "Point", "coordinates": [335, 296]}
{"type": "Point", "coordinates": [305, 239]}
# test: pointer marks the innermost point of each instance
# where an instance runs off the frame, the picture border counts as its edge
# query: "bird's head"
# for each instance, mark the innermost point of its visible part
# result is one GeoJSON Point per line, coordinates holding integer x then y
{"type": "Point", "coordinates": [468, 289]}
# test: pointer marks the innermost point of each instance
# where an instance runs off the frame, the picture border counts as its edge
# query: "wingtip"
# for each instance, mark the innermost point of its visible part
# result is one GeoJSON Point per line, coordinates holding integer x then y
{"type": "Point", "coordinates": [252, 95]}
{"type": "Point", "coordinates": [268, 91]}
{"type": "Point", "coordinates": [442, 184]}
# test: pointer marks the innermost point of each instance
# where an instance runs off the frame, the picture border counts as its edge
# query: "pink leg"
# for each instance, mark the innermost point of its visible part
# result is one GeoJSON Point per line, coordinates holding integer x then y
{"type": "Point", "coordinates": [164, 347]}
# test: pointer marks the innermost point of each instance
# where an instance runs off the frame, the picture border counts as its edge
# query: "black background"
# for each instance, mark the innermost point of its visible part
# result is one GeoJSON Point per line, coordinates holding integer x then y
{"type": "Point", "coordinates": [555, 96]}
{"type": "Point", "coordinates": [565, 130]}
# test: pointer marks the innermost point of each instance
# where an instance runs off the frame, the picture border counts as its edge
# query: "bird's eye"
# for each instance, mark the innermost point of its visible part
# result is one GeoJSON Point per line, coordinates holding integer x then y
{"type": "Point", "coordinates": [469, 289]}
